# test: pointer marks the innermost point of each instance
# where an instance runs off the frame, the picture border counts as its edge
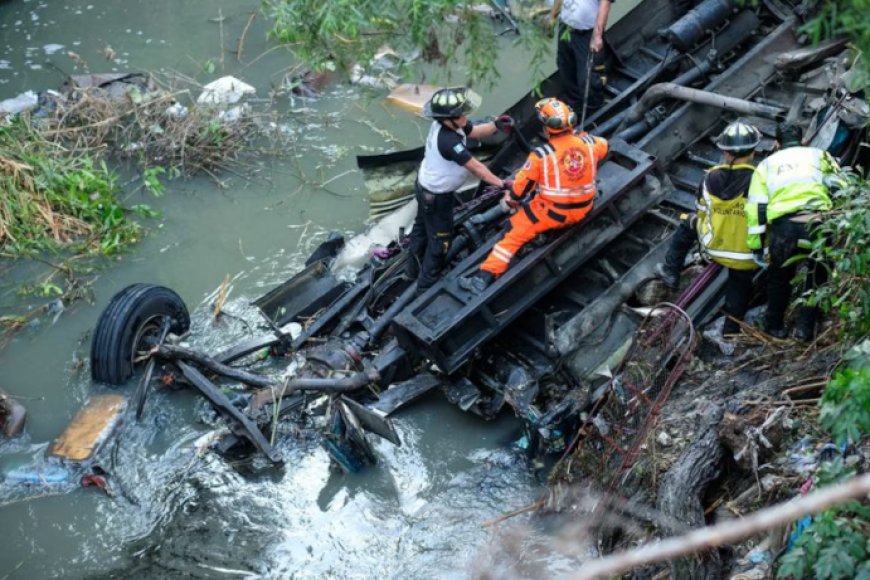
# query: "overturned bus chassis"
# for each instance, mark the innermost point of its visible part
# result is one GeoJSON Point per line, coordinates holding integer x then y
{"type": "Point", "coordinates": [537, 336]}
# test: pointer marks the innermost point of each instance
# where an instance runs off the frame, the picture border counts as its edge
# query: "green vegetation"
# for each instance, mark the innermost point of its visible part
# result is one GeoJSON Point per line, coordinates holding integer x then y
{"type": "Point", "coordinates": [841, 17]}
{"type": "Point", "coordinates": [845, 404]}
{"type": "Point", "coordinates": [842, 243]}
{"type": "Point", "coordinates": [340, 33]}
{"type": "Point", "coordinates": [834, 546]}
{"type": "Point", "coordinates": [53, 198]}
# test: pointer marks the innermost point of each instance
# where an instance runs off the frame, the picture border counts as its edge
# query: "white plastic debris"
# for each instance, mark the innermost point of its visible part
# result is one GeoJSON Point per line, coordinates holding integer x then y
{"type": "Point", "coordinates": [357, 250]}
{"type": "Point", "coordinates": [225, 91]}
{"type": "Point", "coordinates": [234, 114]}
{"type": "Point", "coordinates": [177, 111]}
{"type": "Point", "coordinates": [294, 329]}
{"type": "Point", "coordinates": [359, 77]}
{"type": "Point", "coordinates": [714, 335]}
{"type": "Point", "coordinates": [26, 101]}
{"type": "Point", "coordinates": [663, 439]}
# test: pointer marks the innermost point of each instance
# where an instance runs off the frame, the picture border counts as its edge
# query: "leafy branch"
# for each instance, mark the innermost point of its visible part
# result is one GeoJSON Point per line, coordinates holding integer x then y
{"type": "Point", "coordinates": [340, 33]}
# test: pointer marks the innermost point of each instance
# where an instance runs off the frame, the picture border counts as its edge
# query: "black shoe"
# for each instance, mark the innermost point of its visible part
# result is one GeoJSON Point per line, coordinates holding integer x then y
{"type": "Point", "coordinates": [412, 268]}
{"type": "Point", "coordinates": [668, 276]}
{"type": "Point", "coordinates": [730, 328]}
{"type": "Point", "coordinates": [477, 283]}
{"type": "Point", "coordinates": [764, 326]}
{"type": "Point", "coordinates": [804, 334]}
{"type": "Point", "coordinates": [776, 332]}
{"type": "Point", "coordinates": [805, 324]}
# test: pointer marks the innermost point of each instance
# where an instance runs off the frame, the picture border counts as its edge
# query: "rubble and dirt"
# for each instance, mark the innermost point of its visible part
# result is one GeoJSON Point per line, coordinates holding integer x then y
{"type": "Point", "coordinates": [738, 432]}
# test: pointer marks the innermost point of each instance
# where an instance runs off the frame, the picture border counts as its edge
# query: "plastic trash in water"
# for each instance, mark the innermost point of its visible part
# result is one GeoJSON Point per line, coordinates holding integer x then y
{"type": "Point", "coordinates": [224, 91]}
{"type": "Point", "coordinates": [26, 101]}
{"type": "Point", "coordinates": [39, 475]}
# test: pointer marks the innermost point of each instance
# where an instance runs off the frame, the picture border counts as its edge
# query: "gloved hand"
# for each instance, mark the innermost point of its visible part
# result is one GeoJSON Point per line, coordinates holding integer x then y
{"type": "Point", "coordinates": [504, 123]}
{"type": "Point", "coordinates": [758, 258]}
{"type": "Point", "coordinates": [508, 185]}
{"type": "Point", "coordinates": [509, 201]}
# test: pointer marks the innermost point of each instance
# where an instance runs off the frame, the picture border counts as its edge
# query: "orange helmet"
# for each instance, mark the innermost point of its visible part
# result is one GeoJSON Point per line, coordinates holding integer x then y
{"type": "Point", "coordinates": [556, 116]}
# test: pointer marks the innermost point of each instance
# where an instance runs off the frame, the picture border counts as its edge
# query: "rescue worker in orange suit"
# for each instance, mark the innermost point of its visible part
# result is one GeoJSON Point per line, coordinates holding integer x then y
{"type": "Point", "coordinates": [446, 166]}
{"type": "Point", "coordinates": [561, 177]}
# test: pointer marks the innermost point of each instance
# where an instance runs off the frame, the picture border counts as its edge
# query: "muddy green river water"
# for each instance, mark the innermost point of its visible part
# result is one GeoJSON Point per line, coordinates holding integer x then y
{"type": "Point", "coordinates": [179, 510]}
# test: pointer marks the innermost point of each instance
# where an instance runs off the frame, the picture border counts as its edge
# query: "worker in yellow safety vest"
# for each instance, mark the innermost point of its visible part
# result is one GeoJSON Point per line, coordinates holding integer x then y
{"type": "Point", "coordinates": [720, 224]}
{"type": "Point", "coordinates": [788, 191]}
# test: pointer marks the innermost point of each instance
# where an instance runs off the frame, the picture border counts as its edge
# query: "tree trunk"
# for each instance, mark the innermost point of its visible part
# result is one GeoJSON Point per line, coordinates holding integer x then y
{"type": "Point", "coordinates": [682, 492]}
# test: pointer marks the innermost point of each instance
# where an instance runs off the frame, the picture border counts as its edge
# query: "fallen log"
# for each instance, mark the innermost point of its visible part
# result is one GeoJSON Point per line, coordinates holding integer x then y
{"type": "Point", "coordinates": [683, 487]}
{"type": "Point", "coordinates": [179, 353]}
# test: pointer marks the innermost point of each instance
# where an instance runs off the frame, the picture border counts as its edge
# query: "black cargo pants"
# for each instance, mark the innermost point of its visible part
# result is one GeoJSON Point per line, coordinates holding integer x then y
{"type": "Point", "coordinates": [572, 60]}
{"type": "Point", "coordinates": [738, 287]}
{"type": "Point", "coordinates": [784, 236]}
{"type": "Point", "coordinates": [432, 235]}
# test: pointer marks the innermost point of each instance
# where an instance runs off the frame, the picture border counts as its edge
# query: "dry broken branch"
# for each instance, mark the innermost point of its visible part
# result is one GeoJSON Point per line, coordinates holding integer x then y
{"type": "Point", "coordinates": [726, 533]}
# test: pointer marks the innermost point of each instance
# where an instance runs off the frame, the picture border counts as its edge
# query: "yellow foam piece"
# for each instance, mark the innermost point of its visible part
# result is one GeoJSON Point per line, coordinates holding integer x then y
{"type": "Point", "coordinates": [410, 97]}
{"type": "Point", "coordinates": [90, 428]}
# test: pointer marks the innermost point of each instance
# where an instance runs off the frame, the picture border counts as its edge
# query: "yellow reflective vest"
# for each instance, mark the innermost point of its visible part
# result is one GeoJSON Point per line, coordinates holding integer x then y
{"type": "Point", "coordinates": [721, 221]}
{"type": "Point", "coordinates": [789, 181]}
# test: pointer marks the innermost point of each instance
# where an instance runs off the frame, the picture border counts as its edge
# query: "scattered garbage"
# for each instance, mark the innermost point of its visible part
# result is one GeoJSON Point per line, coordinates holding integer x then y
{"type": "Point", "coordinates": [26, 101]}
{"type": "Point", "coordinates": [39, 474]}
{"type": "Point", "coordinates": [90, 428]}
{"type": "Point", "coordinates": [177, 111]}
{"type": "Point", "coordinates": [377, 74]}
{"type": "Point", "coordinates": [713, 333]}
{"type": "Point", "coordinates": [226, 90]}
{"type": "Point", "coordinates": [805, 456]}
{"type": "Point", "coordinates": [664, 439]}
{"type": "Point", "coordinates": [234, 114]}
{"type": "Point", "coordinates": [96, 480]}
{"type": "Point", "coordinates": [12, 415]}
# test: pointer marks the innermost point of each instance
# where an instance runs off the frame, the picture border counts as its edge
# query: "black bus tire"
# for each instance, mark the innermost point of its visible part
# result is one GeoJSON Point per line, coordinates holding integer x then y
{"type": "Point", "coordinates": [134, 315]}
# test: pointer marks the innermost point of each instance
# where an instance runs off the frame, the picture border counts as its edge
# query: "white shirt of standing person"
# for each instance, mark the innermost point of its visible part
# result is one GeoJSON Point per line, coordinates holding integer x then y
{"type": "Point", "coordinates": [579, 14]}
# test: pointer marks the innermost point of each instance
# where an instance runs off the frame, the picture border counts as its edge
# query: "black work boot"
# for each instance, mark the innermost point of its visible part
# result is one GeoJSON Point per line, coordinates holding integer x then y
{"type": "Point", "coordinates": [730, 327]}
{"type": "Point", "coordinates": [668, 275]}
{"type": "Point", "coordinates": [778, 332]}
{"type": "Point", "coordinates": [477, 283]}
{"type": "Point", "coordinates": [805, 325]}
{"type": "Point", "coordinates": [412, 268]}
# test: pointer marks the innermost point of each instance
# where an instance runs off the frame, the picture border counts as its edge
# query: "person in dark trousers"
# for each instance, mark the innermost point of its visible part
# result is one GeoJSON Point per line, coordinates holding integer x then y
{"type": "Point", "coordinates": [720, 224]}
{"type": "Point", "coordinates": [581, 34]}
{"type": "Point", "coordinates": [788, 191]}
{"type": "Point", "coordinates": [446, 166]}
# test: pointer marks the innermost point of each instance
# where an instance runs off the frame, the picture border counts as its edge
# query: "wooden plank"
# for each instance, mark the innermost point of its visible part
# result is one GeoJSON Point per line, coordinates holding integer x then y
{"type": "Point", "coordinates": [90, 428]}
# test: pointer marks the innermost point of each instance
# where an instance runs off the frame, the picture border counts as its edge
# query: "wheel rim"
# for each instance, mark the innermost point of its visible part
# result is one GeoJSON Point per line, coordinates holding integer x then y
{"type": "Point", "coordinates": [146, 337]}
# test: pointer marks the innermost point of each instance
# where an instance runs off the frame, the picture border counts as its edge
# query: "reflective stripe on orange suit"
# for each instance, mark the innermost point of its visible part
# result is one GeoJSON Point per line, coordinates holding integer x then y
{"type": "Point", "coordinates": [563, 174]}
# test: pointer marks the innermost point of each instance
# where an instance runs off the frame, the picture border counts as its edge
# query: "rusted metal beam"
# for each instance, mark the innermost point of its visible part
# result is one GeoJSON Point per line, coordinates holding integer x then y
{"type": "Point", "coordinates": [223, 406]}
{"type": "Point", "coordinates": [180, 353]}
{"type": "Point", "coordinates": [355, 381]}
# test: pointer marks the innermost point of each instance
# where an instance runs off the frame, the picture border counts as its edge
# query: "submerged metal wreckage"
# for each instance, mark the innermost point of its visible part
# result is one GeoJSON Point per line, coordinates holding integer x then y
{"type": "Point", "coordinates": [543, 337]}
